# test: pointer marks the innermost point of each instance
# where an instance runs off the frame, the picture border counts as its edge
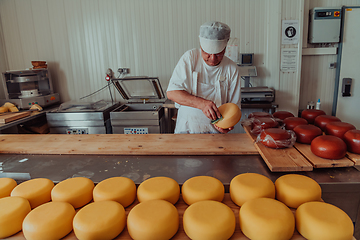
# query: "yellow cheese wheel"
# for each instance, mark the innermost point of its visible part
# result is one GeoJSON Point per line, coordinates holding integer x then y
{"type": "Point", "coordinates": [6, 186]}
{"type": "Point", "coordinates": [319, 220]}
{"type": "Point", "coordinates": [119, 189]}
{"type": "Point", "coordinates": [13, 210]}
{"type": "Point", "coordinates": [37, 191]}
{"type": "Point", "coordinates": [153, 219]}
{"type": "Point", "coordinates": [209, 220]}
{"type": "Point", "coordinates": [201, 188]}
{"type": "Point", "coordinates": [102, 220]}
{"type": "Point", "coordinates": [13, 109]}
{"type": "Point", "coordinates": [51, 220]}
{"type": "Point", "coordinates": [266, 218]}
{"type": "Point", "coordinates": [248, 186]}
{"type": "Point", "coordinates": [8, 105]}
{"type": "Point", "coordinates": [295, 189]}
{"type": "Point", "coordinates": [77, 191]}
{"type": "Point", "coordinates": [3, 109]}
{"type": "Point", "coordinates": [231, 114]}
{"type": "Point", "coordinates": [164, 188]}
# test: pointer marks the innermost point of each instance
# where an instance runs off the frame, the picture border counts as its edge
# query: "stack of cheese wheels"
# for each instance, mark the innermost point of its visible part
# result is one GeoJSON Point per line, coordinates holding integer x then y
{"type": "Point", "coordinates": [311, 114]}
{"type": "Point", "coordinates": [119, 189]}
{"type": "Point", "coordinates": [352, 140]}
{"type": "Point", "coordinates": [201, 188]}
{"type": "Point", "coordinates": [319, 220]}
{"type": "Point", "coordinates": [6, 186]}
{"type": "Point", "coordinates": [306, 133]}
{"type": "Point", "coordinates": [322, 120]}
{"type": "Point", "coordinates": [99, 220]}
{"type": "Point", "coordinates": [249, 186]}
{"type": "Point", "coordinates": [153, 219]}
{"type": "Point", "coordinates": [294, 190]}
{"type": "Point", "coordinates": [261, 123]}
{"type": "Point", "coordinates": [266, 218]}
{"type": "Point", "coordinates": [231, 115]}
{"type": "Point", "coordinates": [77, 191]}
{"type": "Point", "coordinates": [164, 188]}
{"type": "Point", "coordinates": [338, 129]}
{"type": "Point", "coordinates": [37, 191]}
{"type": "Point", "coordinates": [282, 114]}
{"type": "Point", "coordinates": [329, 147]}
{"type": "Point", "coordinates": [51, 220]}
{"type": "Point", "coordinates": [276, 138]}
{"type": "Point", "coordinates": [291, 122]}
{"type": "Point", "coordinates": [209, 220]}
{"type": "Point", "coordinates": [13, 210]}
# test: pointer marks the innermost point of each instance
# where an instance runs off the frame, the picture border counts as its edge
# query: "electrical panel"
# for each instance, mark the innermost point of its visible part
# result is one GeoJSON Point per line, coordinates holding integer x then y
{"type": "Point", "coordinates": [324, 25]}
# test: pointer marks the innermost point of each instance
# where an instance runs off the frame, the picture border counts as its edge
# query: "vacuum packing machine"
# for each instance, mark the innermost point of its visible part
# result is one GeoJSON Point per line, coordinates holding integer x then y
{"type": "Point", "coordinates": [143, 112]}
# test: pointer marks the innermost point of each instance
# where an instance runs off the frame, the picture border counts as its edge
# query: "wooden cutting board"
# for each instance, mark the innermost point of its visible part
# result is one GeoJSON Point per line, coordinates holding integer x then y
{"type": "Point", "coordinates": [12, 116]}
{"type": "Point", "coordinates": [354, 157]}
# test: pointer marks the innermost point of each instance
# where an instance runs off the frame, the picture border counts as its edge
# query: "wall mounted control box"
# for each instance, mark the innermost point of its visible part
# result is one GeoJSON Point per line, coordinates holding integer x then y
{"type": "Point", "coordinates": [324, 25]}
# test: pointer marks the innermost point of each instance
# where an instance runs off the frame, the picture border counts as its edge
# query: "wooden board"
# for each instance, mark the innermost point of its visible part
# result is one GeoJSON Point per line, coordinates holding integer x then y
{"type": "Point", "coordinates": [354, 157]}
{"type": "Point", "coordinates": [319, 162]}
{"type": "Point", "coordinates": [248, 132]}
{"type": "Point", "coordinates": [124, 144]}
{"type": "Point", "coordinates": [12, 116]}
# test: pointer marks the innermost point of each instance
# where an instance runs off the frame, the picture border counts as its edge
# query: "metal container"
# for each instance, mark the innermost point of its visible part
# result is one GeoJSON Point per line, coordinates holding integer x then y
{"type": "Point", "coordinates": [81, 118]}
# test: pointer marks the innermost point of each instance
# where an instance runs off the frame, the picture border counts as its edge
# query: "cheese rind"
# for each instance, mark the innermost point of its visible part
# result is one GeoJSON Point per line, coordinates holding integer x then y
{"type": "Point", "coordinates": [119, 189]}
{"type": "Point", "coordinates": [209, 220]}
{"type": "Point", "coordinates": [266, 218]}
{"type": "Point", "coordinates": [51, 220]}
{"type": "Point", "coordinates": [295, 189]}
{"type": "Point", "coordinates": [201, 188]}
{"type": "Point", "coordinates": [102, 220]}
{"type": "Point", "coordinates": [153, 220]}
{"type": "Point", "coordinates": [247, 186]}
{"type": "Point", "coordinates": [319, 220]}
{"type": "Point", "coordinates": [231, 114]}
{"type": "Point", "coordinates": [37, 191]}
{"type": "Point", "coordinates": [164, 188]}
{"type": "Point", "coordinates": [13, 210]}
{"type": "Point", "coordinates": [6, 186]}
{"type": "Point", "coordinates": [77, 191]}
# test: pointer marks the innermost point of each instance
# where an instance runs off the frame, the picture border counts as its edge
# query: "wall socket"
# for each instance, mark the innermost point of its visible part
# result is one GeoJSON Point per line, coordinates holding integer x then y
{"type": "Point", "coordinates": [124, 70]}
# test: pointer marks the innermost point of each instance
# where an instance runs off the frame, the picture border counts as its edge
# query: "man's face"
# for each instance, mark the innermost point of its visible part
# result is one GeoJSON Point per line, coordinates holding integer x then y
{"type": "Point", "coordinates": [213, 59]}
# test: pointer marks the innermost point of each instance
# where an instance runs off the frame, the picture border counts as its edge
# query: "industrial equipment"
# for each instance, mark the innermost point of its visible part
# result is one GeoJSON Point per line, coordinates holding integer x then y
{"type": "Point", "coordinates": [324, 25]}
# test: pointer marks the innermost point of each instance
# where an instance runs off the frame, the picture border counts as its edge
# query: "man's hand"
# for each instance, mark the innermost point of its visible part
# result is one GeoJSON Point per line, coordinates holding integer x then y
{"type": "Point", "coordinates": [223, 130]}
{"type": "Point", "coordinates": [210, 110]}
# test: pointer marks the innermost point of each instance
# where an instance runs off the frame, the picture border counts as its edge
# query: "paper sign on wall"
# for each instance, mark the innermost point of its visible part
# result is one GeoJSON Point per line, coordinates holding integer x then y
{"type": "Point", "coordinates": [290, 31]}
{"type": "Point", "coordinates": [289, 58]}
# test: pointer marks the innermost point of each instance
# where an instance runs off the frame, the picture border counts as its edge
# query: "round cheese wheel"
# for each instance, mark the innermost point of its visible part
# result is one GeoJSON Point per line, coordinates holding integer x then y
{"type": "Point", "coordinates": [329, 147]}
{"type": "Point", "coordinates": [322, 120]}
{"type": "Point", "coordinates": [319, 220]}
{"type": "Point", "coordinates": [352, 140]}
{"type": "Point", "coordinates": [306, 133]}
{"type": "Point", "coordinates": [311, 114]}
{"type": "Point", "coordinates": [261, 123]}
{"type": "Point", "coordinates": [338, 129]}
{"type": "Point", "coordinates": [259, 114]}
{"type": "Point", "coordinates": [209, 220]}
{"type": "Point", "coordinates": [6, 186]}
{"type": "Point", "coordinates": [231, 114]}
{"type": "Point", "coordinates": [164, 188]}
{"type": "Point", "coordinates": [37, 191]}
{"type": "Point", "coordinates": [266, 218]}
{"type": "Point", "coordinates": [247, 186]}
{"type": "Point", "coordinates": [51, 220]}
{"type": "Point", "coordinates": [13, 210]}
{"type": "Point", "coordinates": [291, 122]}
{"type": "Point", "coordinates": [276, 138]}
{"type": "Point", "coordinates": [153, 219]}
{"type": "Point", "coordinates": [99, 220]}
{"type": "Point", "coordinates": [119, 189]}
{"type": "Point", "coordinates": [294, 190]}
{"type": "Point", "coordinates": [282, 114]}
{"type": "Point", "coordinates": [201, 188]}
{"type": "Point", "coordinates": [3, 109]}
{"type": "Point", "coordinates": [77, 191]}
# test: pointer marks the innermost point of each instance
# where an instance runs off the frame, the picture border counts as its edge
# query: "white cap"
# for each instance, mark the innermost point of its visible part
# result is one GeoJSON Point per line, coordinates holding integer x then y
{"type": "Point", "coordinates": [214, 36]}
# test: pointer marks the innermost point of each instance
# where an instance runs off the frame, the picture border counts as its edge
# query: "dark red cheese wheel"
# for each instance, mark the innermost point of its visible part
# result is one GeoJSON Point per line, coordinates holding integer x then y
{"type": "Point", "coordinates": [275, 138]}
{"type": "Point", "coordinates": [282, 114]}
{"type": "Point", "coordinates": [338, 128]}
{"type": "Point", "coordinates": [329, 147]}
{"type": "Point", "coordinates": [306, 133]}
{"type": "Point", "coordinates": [291, 122]}
{"type": "Point", "coordinates": [263, 123]}
{"type": "Point", "coordinates": [352, 140]}
{"type": "Point", "coordinates": [311, 114]}
{"type": "Point", "coordinates": [322, 120]}
{"type": "Point", "coordinates": [259, 114]}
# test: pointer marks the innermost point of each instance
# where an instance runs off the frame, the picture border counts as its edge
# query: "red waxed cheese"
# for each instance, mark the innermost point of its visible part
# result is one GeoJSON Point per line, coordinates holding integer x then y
{"type": "Point", "coordinates": [338, 128]}
{"type": "Point", "coordinates": [322, 120]}
{"type": "Point", "coordinates": [352, 140]}
{"type": "Point", "coordinates": [259, 114]}
{"type": "Point", "coordinates": [329, 147]}
{"type": "Point", "coordinates": [306, 133]}
{"type": "Point", "coordinates": [263, 123]}
{"type": "Point", "coordinates": [275, 138]}
{"type": "Point", "coordinates": [282, 114]}
{"type": "Point", "coordinates": [291, 122]}
{"type": "Point", "coordinates": [311, 114]}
